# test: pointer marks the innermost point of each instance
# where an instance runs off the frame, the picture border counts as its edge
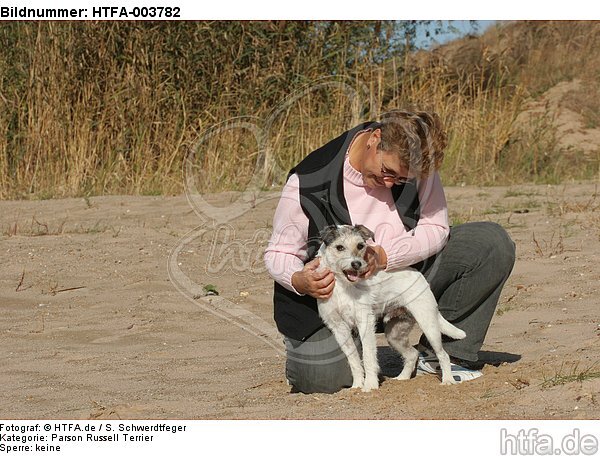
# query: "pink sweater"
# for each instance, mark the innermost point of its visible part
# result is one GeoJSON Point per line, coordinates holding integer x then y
{"type": "Point", "coordinates": [372, 207]}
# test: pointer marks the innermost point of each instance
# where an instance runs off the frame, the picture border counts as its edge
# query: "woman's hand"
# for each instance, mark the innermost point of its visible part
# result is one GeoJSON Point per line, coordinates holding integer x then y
{"type": "Point", "coordinates": [376, 258]}
{"type": "Point", "coordinates": [318, 284]}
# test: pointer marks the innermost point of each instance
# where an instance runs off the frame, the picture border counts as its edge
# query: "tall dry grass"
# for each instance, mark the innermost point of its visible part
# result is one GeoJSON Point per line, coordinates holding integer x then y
{"type": "Point", "coordinates": [94, 108]}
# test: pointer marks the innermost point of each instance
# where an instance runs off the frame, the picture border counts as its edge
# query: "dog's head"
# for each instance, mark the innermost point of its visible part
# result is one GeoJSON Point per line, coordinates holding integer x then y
{"type": "Point", "coordinates": [344, 248]}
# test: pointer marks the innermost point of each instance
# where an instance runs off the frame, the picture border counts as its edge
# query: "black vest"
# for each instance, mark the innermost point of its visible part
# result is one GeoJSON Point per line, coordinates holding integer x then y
{"type": "Point", "coordinates": [321, 176]}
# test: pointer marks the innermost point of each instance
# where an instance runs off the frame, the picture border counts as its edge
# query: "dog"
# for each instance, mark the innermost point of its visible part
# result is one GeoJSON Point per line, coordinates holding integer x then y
{"type": "Point", "coordinates": [401, 297]}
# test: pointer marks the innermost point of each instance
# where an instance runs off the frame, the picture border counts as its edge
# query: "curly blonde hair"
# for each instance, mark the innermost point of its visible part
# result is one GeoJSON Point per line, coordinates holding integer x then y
{"type": "Point", "coordinates": [418, 137]}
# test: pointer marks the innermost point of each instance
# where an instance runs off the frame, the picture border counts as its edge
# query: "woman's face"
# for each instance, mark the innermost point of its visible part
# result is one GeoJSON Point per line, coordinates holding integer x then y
{"type": "Point", "coordinates": [382, 168]}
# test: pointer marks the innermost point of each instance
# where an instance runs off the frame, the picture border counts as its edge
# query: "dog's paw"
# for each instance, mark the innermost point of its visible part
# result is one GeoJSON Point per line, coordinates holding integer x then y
{"type": "Point", "coordinates": [358, 383]}
{"type": "Point", "coordinates": [370, 384]}
{"type": "Point", "coordinates": [403, 377]}
{"type": "Point", "coordinates": [368, 390]}
{"type": "Point", "coordinates": [450, 381]}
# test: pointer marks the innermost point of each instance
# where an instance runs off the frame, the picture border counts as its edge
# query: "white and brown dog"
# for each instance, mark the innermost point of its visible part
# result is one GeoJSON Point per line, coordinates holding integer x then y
{"type": "Point", "coordinates": [401, 297]}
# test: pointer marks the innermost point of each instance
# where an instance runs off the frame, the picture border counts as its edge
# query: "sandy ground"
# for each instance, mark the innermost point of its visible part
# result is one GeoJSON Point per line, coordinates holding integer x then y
{"type": "Point", "coordinates": [99, 321]}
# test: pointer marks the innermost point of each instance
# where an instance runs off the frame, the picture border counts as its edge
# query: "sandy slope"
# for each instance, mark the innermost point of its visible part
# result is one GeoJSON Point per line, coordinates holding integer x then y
{"type": "Point", "coordinates": [128, 344]}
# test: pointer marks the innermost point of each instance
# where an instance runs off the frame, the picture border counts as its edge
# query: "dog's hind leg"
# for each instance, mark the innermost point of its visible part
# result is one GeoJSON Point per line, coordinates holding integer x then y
{"type": "Point", "coordinates": [435, 340]}
{"type": "Point", "coordinates": [425, 312]}
{"type": "Point", "coordinates": [343, 335]}
{"type": "Point", "coordinates": [396, 332]}
{"type": "Point", "coordinates": [366, 329]}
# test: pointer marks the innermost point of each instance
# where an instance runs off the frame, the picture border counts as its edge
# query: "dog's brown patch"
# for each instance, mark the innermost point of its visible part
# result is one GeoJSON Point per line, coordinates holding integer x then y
{"type": "Point", "coordinates": [398, 312]}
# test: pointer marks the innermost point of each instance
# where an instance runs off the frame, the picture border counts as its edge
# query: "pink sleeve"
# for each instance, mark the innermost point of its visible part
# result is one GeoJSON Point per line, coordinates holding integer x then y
{"type": "Point", "coordinates": [431, 233]}
{"type": "Point", "coordinates": [287, 247]}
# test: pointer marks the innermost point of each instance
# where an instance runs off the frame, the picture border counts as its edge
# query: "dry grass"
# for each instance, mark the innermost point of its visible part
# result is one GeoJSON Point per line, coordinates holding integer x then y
{"type": "Point", "coordinates": [575, 374]}
{"type": "Point", "coordinates": [581, 102]}
{"type": "Point", "coordinates": [91, 108]}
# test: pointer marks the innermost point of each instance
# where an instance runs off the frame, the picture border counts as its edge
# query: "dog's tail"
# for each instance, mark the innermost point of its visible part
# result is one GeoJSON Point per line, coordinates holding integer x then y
{"type": "Point", "coordinates": [449, 329]}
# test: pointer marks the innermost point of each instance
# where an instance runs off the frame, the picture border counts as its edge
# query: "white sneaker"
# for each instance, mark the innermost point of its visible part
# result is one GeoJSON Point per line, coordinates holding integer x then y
{"type": "Point", "coordinates": [429, 364]}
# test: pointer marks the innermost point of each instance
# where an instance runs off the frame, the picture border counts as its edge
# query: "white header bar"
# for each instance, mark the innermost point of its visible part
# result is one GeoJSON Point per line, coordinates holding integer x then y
{"type": "Point", "coordinates": [306, 9]}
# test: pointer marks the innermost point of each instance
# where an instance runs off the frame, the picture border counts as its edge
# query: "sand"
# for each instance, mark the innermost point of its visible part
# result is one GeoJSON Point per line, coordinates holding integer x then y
{"type": "Point", "coordinates": [103, 314]}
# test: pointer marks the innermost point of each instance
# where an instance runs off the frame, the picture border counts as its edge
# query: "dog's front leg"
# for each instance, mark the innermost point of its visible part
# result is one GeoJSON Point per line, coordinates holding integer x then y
{"type": "Point", "coordinates": [343, 335]}
{"type": "Point", "coordinates": [366, 329]}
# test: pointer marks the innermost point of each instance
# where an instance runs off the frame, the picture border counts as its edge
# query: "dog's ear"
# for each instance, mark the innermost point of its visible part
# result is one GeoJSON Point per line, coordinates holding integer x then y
{"type": "Point", "coordinates": [365, 232]}
{"type": "Point", "coordinates": [329, 234]}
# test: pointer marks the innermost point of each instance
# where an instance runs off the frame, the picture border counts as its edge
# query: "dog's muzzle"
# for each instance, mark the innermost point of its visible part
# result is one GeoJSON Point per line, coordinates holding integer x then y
{"type": "Point", "coordinates": [355, 273]}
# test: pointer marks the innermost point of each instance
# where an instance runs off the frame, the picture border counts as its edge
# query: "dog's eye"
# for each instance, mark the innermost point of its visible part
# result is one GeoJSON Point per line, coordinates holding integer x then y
{"type": "Point", "coordinates": [360, 246]}
{"type": "Point", "coordinates": [340, 248]}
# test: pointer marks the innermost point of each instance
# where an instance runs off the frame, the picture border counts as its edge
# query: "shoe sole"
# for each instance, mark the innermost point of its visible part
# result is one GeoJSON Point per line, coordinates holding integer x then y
{"type": "Point", "coordinates": [459, 374]}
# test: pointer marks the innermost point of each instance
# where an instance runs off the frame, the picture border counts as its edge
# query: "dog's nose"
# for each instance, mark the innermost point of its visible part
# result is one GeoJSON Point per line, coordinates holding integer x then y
{"type": "Point", "coordinates": [356, 265]}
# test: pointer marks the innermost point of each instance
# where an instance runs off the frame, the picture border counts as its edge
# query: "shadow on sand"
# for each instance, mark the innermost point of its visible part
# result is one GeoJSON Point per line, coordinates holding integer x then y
{"type": "Point", "coordinates": [390, 361]}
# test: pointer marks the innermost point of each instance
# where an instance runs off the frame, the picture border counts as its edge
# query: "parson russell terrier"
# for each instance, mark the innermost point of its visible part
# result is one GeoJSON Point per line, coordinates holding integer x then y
{"type": "Point", "coordinates": [401, 297]}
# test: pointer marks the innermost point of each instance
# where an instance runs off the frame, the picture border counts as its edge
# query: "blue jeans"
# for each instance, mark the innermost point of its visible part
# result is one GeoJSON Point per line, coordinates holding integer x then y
{"type": "Point", "coordinates": [466, 278]}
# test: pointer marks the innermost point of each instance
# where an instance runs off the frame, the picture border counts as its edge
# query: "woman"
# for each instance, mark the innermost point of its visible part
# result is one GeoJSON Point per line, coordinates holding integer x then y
{"type": "Point", "coordinates": [382, 175]}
